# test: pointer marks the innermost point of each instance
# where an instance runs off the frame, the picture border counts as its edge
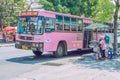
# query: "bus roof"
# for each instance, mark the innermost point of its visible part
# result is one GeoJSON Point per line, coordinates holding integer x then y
{"type": "Point", "coordinates": [46, 13]}
{"type": "Point", "coordinates": [52, 14]}
{"type": "Point", "coordinates": [62, 14]}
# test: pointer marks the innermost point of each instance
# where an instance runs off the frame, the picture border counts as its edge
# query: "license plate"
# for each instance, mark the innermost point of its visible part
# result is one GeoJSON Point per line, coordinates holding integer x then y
{"type": "Point", "coordinates": [24, 47]}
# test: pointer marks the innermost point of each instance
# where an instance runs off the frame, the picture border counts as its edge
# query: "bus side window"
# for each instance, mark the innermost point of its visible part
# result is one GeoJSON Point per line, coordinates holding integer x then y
{"type": "Point", "coordinates": [73, 27]}
{"type": "Point", "coordinates": [79, 29]}
{"type": "Point", "coordinates": [80, 26]}
{"type": "Point", "coordinates": [67, 23]}
{"type": "Point", "coordinates": [49, 25]}
{"type": "Point", "coordinates": [59, 27]}
{"type": "Point", "coordinates": [59, 22]}
{"type": "Point", "coordinates": [66, 27]}
{"type": "Point", "coordinates": [73, 24]}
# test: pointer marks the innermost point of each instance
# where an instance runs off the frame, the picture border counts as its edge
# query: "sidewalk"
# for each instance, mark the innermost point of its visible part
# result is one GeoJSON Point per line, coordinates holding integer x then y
{"type": "Point", "coordinates": [68, 71]}
{"type": "Point", "coordinates": [7, 44]}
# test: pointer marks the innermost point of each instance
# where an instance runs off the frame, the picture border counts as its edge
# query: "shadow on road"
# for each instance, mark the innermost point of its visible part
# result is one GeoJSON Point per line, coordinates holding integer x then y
{"type": "Point", "coordinates": [43, 58]}
{"type": "Point", "coordinates": [106, 64]}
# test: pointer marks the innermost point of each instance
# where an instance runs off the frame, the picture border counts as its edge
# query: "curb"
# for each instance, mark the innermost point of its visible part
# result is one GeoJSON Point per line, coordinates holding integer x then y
{"type": "Point", "coordinates": [6, 45]}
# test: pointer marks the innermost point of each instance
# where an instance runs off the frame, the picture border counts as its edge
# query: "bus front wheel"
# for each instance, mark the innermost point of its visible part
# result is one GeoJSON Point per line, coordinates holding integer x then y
{"type": "Point", "coordinates": [37, 53]}
{"type": "Point", "coordinates": [60, 50]}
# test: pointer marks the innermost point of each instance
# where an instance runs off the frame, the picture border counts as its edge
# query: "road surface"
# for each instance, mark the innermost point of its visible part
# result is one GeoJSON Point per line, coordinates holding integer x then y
{"type": "Point", "coordinates": [14, 62]}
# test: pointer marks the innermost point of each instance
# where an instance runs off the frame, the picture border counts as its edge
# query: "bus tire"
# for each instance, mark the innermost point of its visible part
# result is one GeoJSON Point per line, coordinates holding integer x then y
{"type": "Point", "coordinates": [65, 49]}
{"type": "Point", "coordinates": [60, 51]}
{"type": "Point", "coordinates": [37, 53]}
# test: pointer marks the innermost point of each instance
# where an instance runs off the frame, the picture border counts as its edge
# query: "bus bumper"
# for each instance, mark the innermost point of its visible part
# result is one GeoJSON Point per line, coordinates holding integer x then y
{"type": "Point", "coordinates": [26, 47]}
{"type": "Point", "coordinates": [19, 46]}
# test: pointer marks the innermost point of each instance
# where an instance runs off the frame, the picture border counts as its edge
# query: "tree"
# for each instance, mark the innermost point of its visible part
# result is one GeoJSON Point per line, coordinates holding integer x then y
{"type": "Point", "coordinates": [47, 5]}
{"type": "Point", "coordinates": [103, 11]}
{"type": "Point", "coordinates": [117, 6]}
{"type": "Point", "coordinates": [76, 7]}
{"type": "Point", "coordinates": [9, 10]}
{"type": "Point", "coordinates": [86, 7]}
{"type": "Point", "coordinates": [54, 6]}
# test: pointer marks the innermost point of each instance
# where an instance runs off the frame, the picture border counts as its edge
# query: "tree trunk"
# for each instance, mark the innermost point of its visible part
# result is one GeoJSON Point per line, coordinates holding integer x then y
{"type": "Point", "coordinates": [116, 25]}
{"type": "Point", "coordinates": [1, 22]}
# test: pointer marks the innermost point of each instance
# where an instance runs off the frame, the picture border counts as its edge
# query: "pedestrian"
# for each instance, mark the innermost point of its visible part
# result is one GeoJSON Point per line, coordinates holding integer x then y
{"type": "Point", "coordinates": [96, 50]}
{"type": "Point", "coordinates": [102, 46]}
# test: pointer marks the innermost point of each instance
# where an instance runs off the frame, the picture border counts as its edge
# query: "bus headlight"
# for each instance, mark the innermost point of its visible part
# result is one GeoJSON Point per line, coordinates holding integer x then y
{"type": "Point", "coordinates": [17, 42]}
{"type": "Point", "coordinates": [37, 44]}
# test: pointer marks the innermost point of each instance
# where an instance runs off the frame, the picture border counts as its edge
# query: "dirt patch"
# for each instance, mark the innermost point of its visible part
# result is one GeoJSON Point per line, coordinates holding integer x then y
{"type": "Point", "coordinates": [53, 64]}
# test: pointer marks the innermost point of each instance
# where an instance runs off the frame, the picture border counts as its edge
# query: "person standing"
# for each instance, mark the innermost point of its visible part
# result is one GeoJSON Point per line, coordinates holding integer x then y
{"type": "Point", "coordinates": [102, 47]}
{"type": "Point", "coordinates": [96, 50]}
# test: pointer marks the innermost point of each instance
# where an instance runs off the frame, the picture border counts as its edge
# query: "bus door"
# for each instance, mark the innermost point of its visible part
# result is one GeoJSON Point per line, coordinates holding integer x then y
{"type": "Point", "coordinates": [88, 34]}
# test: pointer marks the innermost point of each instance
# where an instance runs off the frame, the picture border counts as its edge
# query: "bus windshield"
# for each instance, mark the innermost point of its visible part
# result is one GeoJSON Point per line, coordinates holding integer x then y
{"type": "Point", "coordinates": [30, 25]}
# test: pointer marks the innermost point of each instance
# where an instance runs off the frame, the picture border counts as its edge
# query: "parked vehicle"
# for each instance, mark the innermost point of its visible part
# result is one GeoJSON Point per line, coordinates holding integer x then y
{"type": "Point", "coordinates": [47, 31]}
{"type": "Point", "coordinates": [8, 34]}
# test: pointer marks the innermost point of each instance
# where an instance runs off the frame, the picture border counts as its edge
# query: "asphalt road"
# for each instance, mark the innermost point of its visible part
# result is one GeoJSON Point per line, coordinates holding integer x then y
{"type": "Point", "coordinates": [14, 62]}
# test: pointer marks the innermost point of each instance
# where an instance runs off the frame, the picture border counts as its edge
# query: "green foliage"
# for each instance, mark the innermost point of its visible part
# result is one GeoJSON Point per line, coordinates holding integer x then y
{"type": "Point", "coordinates": [76, 7]}
{"type": "Point", "coordinates": [47, 5]}
{"type": "Point", "coordinates": [54, 5]}
{"type": "Point", "coordinates": [9, 10]}
{"type": "Point", "coordinates": [103, 11]}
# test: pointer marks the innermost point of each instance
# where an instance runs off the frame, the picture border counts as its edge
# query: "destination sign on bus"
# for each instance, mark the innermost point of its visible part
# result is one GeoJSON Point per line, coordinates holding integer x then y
{"type": "Point", "coordinates": [34, 18]}
{"type": "Point", "coordinates": [23, 19]}
{"type": "Point", "coordinates": [29, 13]}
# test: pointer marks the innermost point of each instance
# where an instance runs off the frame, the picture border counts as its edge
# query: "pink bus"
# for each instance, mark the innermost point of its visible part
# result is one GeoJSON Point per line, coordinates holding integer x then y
{"type": "Point", "coordinates": [47, 31]}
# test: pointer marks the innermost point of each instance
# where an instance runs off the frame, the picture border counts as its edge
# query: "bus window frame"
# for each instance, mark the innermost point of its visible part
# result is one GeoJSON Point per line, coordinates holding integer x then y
{"type": "Point", "coordinates": [75, 24]}
{"type": "Point", "coordinates": [60, 24]}
{"type": "Point", "coordinates": [68, 25]}
{"type": "Point", "coordinates": [43, 24]}
{"type": "Point", "coordinates": [33, 22]}
{"type": "Point", "coordinates": [19, 24]}
{"type": "Point", "coordinates": [79, 26]}
{"type": "Point", "coordinates": [50, 29]}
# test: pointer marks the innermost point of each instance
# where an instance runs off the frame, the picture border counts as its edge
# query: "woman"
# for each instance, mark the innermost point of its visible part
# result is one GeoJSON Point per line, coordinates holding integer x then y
{"type": "Point", "coordinates": [102, 46]}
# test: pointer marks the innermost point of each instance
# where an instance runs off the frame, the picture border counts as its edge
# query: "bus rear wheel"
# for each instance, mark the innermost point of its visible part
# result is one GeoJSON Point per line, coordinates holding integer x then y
{"type": "Point", "coordinates": [37, 53]}
{"type": "Point", "coordinates": [60, 50]}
